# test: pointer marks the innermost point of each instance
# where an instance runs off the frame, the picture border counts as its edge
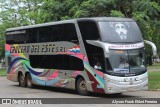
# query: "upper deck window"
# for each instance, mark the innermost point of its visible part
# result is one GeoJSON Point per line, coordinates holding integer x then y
{"type": "Point", "coordinates": [53, 33]}
{"type": "Point", "coordinates": [89, 30]}
{"type": "Point", "coordinates": [16, 37]}
{"type": "Point", "coordinates": [120, 32]}
{"type": "Point", "coordinates": [62, 32]}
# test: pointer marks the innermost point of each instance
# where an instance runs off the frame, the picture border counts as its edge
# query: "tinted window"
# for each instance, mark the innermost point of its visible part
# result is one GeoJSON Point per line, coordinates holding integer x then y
{"type": "Point", "coordinates": [70, 33]}
{"type": "Point", "coordinates": [31, 36]}
{"type": "Point", "coordinates": [89, 30]}
{"type": "Point", "coordinates": [64, 62]}
{"type": "Point", "coordinates": [16, 37]}
{"type": "Point", "coordinates": [115, 32]}
{"type": "Point", "coordinates": [76, 64]}
{"type": "Point", "coordinates": [48, 34]}
{"type": "Point", "coordinates": [62, 32]}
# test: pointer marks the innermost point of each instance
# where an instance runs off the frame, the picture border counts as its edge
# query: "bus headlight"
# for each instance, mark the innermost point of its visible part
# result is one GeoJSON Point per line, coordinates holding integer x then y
{"type": "Point", "coordinates": [109, 88]}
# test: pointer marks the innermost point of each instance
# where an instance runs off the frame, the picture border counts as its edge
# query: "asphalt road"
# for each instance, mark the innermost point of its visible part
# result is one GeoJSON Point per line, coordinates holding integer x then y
{"type": "Point", "coordinates": [9, 89]}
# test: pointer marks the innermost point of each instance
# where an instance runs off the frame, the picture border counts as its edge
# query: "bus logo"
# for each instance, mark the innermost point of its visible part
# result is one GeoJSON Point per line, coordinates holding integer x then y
{"type": "Point", "coordinates": [131, 81]}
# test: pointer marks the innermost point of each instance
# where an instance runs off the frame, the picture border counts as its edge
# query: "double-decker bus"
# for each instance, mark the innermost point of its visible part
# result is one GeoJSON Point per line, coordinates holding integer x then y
{"type": "Point", "coordinates": [102, 55]}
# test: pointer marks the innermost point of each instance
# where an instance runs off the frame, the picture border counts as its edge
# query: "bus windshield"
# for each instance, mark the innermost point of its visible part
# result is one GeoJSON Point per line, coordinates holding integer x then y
{"type": "Point", "coordinates": [127, 62]}
{"type": "Point", "coordinates": [120, 32]}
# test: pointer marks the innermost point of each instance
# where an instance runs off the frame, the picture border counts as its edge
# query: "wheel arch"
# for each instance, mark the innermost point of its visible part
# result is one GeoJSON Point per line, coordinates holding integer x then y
{"type": "Point", "coordinates": [76, 80]}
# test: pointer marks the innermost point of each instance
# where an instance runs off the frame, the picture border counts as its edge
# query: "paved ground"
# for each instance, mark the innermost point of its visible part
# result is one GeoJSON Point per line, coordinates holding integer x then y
{"type": "Point", "coordinates": [9, 89]}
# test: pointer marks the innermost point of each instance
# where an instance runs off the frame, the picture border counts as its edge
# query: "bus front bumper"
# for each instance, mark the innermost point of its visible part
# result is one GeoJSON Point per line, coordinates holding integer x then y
{"type": "Point", "coordinates": [112, 88]}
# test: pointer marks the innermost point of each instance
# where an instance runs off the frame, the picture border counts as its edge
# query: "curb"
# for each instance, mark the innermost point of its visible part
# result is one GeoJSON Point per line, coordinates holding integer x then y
{"type": "Point", "coordinates": [154, 90]}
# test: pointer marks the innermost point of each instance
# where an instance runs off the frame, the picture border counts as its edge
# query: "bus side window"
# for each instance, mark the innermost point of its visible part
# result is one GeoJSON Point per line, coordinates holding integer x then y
{"type": "Point", "coordinates": [31, 35]}
{"type": "Point", "coordinates": [42, 34]}
{"type": "Point", "coordinates": [56, 33]}
{"type": "Point", "coordinates": [76, 64]}
{"type": "Point", "coordinates": [15, 38]}
{"type": "Point", "coordinates": [61, 32]}
{"type": "Point", "coordinates": [89, 31]}
{"type": "Point", "coordinates": [70, 33]}
{"type": "Point", "coordinates": [63, 62]}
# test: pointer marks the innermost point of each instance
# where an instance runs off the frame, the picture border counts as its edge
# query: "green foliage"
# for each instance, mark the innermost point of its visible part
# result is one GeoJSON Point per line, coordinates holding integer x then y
{"type": "Point", "coordinates": [53, 10]}
{"type": "Point", "coordinates": [15, 13]}
{"type": "Point", "coordinates": [116, 13]}
{"type": "Point", "coordinates": [154, 80]}
{"type": "Point", "coordinates": [2, 72]}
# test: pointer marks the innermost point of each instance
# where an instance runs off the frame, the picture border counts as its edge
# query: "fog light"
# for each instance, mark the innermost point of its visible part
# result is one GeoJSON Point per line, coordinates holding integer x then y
{"type": "Point", "coordinates": [107, 79]}
{"type": "Point", "coordinates": [136, 79]}
{"type": "Point", "coordinates": [109, 88]}
{"type": "Point", "coordinates": [126, 79]}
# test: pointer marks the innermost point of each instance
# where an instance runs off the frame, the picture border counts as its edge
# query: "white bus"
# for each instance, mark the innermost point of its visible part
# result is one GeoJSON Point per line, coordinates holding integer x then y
{"type": "Point", "coordinates": [102, 55]}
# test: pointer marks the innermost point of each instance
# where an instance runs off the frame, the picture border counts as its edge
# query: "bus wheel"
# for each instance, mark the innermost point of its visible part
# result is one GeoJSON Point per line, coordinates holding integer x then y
{"type": "Point", "coordinates": [22, 80]}
{"type": "Point", "coordinates": [29, 83]}
{"type": "Point", "coordinates": [82, 87]}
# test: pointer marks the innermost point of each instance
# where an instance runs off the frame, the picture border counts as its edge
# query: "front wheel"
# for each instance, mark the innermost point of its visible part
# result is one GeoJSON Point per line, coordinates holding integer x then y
{"type": "Point", "coordinates": [82, 87]}
{"type": "Point", "coordinates": [29, 82]}
{"type": "Point", "coordinates": [22, 81]}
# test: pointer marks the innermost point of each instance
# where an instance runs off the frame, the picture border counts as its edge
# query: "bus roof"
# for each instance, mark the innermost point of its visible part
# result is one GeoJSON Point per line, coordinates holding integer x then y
{"type": "Point", "coordinates": [71, 21]}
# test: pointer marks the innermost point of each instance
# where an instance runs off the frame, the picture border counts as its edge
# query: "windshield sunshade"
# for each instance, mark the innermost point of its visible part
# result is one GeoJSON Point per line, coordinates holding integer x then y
{"type": "Point", "coordinates": [120, 32]}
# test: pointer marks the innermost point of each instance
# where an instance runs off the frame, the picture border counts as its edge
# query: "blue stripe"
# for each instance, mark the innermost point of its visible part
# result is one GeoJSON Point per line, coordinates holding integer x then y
{"type": "Point", "coordinates": [13, 62]}
{"type": "Point", "coordinates": [32, 71]}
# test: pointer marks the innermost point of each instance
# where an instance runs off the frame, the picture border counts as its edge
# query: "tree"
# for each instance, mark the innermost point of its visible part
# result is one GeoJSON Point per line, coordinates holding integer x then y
{"type": "Point", "coordinates": [147, 13]}
{"type": "Point", "coordinates": [26, 12]}
{"type": "Point", "coordinates": [16, 13]}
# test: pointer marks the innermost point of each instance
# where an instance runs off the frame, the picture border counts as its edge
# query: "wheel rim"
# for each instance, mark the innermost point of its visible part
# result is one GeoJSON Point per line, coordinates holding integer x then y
{"type": "Point", "coordinates": [22, 80]}
{"type": "Point", "coordinates": [82, 86]}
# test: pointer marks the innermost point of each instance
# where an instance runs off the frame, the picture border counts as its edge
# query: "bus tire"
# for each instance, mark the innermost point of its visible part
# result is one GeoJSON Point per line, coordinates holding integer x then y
{"type": "Point", "coordinates": [29, 82]}
{"type": "Point", "coordinates": [81, 87]}
{"type": "Point", "coordinates": [22, 81]}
